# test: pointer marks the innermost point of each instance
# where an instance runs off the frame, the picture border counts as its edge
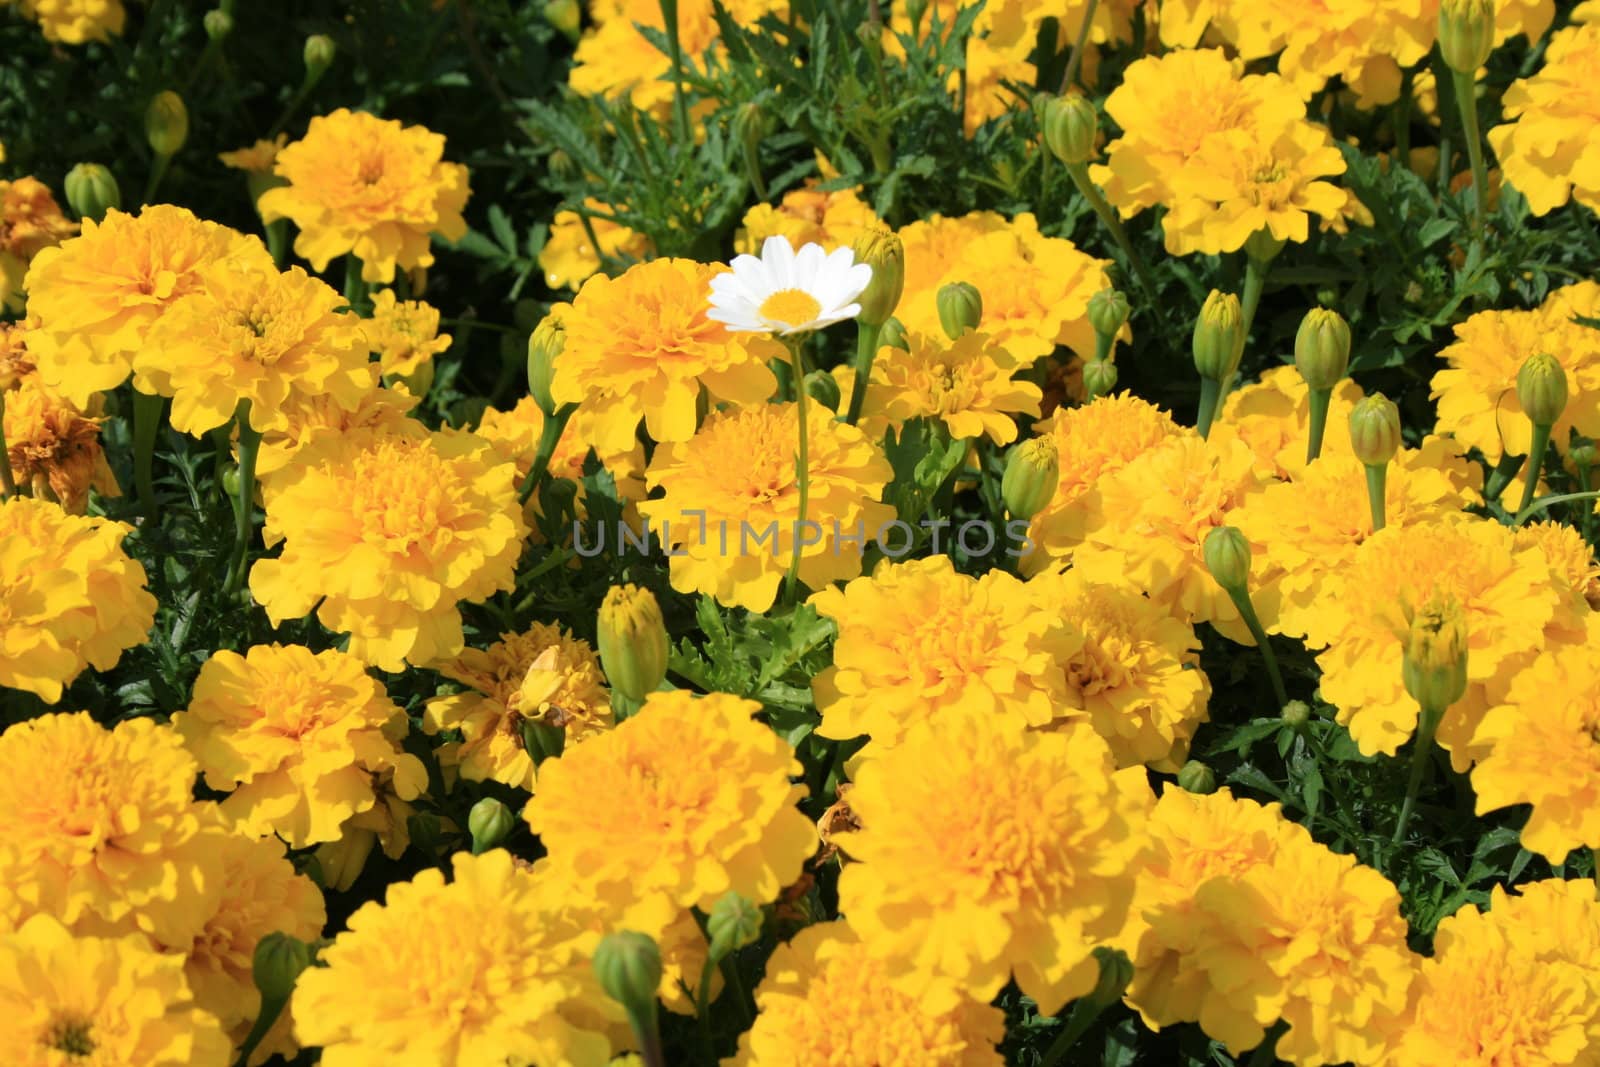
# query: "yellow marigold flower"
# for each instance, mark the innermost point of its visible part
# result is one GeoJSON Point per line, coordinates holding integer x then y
{"type": "Point", "coordinates": [1508, 597]}
{"type": "Point", "coordinates": [934, 247]}
{"type": "Point", "coordinates": [987, 852]}
{"type": "Point", "coordinates": [403, 334]}
{"type": "Point", "coordinates": [1145, 524]}
{"type": "Point", "coordinates": [99, 1000]}
{"type": "Point", "coordinates": [966, 384]}
{"type": "Point", "coordinates": [55, 448]}
{"type": "Point", "coordinates": [807, 215]}
{"type": "Point", "coordinates": [385, 534]}
{"type": "Point", "coordinates": [97, 295]}
{"type": "Point", "coordinates": [1136, 677]}
{"type": "Point", "coordinates": [257, 892]}
{"type": "Point", "coordinates": [368, 187]}
{"type": "Point", "coordinates": [258, 158]}
{"type": "Point", "coordinates": [568, 257]}
{"type": "Point", "coordinates": [1513, 986]}
{"type": "Point", "coordinates": [1543, 750]}
{"type": "Point", "coordinates": [258, 335]}
{"type": "Point", "coordinates": [1196, 840]}
{"type": "Point", "coordinates": [102, 831]}
{"type": "Point", "coordinates": [295, 738]}
{"type": "Point", "coordinates": [1314, 939]}
{"type": "Point", "coordinates": [308, 418]}
{"type": "Point", "coordinates": [1092, 442]}
{"type": "Point", "coordinates": [1169, 107]}
{"type": "Point", "coordinates": [715, 782]}
{"type": "Point", "coordinates": [1312, 526]}
{"type": "Point", "coordinates": [1477, 391]}
{"type": "Point", "coordinates": [1546, 150]}
{"type": "Point", "coordinates": [30, 221]}
{"type": "Point", "coordinates": [73, 597]}
{"type": "Point", "coordinates": [989, 67]}
{"type": "Point", "coordinates": [15, 363]}
{"type": "Point", "coordinates": [1571, 561]}
{"type": "Point", "coordinates": [543, 675]}
{"type": "Point", "coordinates": [640, 346]}
{"type": "Point", "coordinates": [1238, 183]}
{"type": "Point", "coordinates": [491, 968]}
{"type": "Point", "coordinates": [1273, 417]}
{"type": "Point", "coordinates": [515, 435]}
{"type": "Point", "coordinates": [1036, 289]}
{"type": "Point", "coordinates": [919, 642]}
{"type": "Point", "coordinates": [731, 514]}
{"type": "Point", "coordinates": [826, 1000]}
{"type": "Point", "coordinates": [76, 21]}
{"type": "Point", "coordinates": [385, 825]}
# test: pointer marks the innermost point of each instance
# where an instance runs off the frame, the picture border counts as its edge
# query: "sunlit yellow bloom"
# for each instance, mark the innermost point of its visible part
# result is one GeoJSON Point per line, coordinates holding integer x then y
{"type": "Point", "coordinates": [54, 447]}
{"type": "Point", "coordinates": [1273, 417]}
{"type": "Point", "coordinates": [307, 418]}
{"type": "Point", "coordinates": [76, 21]}
{"type": "Point", "coordinates": [807, 216]}
{"type": "Point", "coordinates": [569, 257]}
{"type": "Point", "coordinates": [15, 363]}
{"type": "Point", "coordinates": [258, 158]}
{"type": "Point", "coordinates": [403, 334]}
{"type": "Point", "coordinates": [30, 221]}
{"type": "Point", "coordinates": [966, 384]}
{"type": "Point", "coordinates": [1571, 560]}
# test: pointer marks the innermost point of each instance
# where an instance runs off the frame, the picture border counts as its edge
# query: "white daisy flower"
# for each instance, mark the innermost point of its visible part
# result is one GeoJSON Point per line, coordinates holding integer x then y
{"type": "Point", "coordinates": [786, 292]}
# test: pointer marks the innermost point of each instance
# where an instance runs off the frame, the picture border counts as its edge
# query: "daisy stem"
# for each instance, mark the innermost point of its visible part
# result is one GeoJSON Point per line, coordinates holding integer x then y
{"type": "Point", "coordinates": [550, 436]}
{"type": "Point", "coordinates": [1320, 399]}
{"type": "Point", "coordinates": [803, 464]}
{"type": "Point", "coordinates": [1210, 394]}
{"type": "Point", "coordinates": [249, 445]}
{"type": "Point", "coordinates": [1075, 59]}
{"type": "Point", "coordinates": [1240, 595]}
{"type": "Point", "coordinates": [867, 336]}
{"type": "Point", "coordinates": [1377, 491]}
{"type": "Point", "coordinates": [1467, 104]}
{"type": "Point", "coordinates": [1541, 442]}
{"type": "Point", "coordinates": [1079, 173]}
{"type": "Point", "coordinates": [1427, 726]}
{"type": "Point", "coordinates": [8, 485]}
{"type": "Point", "coordinates": [146, 425]}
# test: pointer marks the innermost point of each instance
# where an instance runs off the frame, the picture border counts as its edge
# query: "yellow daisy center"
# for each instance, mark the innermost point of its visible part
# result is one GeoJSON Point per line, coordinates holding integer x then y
{"type": "Point", "coordinates": [790, 306]}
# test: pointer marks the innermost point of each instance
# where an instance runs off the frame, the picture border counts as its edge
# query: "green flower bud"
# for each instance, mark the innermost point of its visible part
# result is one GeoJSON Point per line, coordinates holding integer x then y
{"type": "Point", "coordinates": [318, 55]}
{"type": "Point", "coordinates": [1542, 389]}
{"type": "Point", "coordinates": [1108, 310]}
{"type": "Point", "coordinates": [1466, 34]}
{"type": "Point", "coordinates": [541, 740]}
{"type": "Point", "coordinates": [1116, 971]}
{"type": "Point", "coordinates": [1071, 126]}
{"type": "Point", "coordinates": [489, 822]}
{"type": "Point", "coordinates": [1196, 777]}
{"type": "Point", "coordinates": [824, 389]}
{"type": "Point", "coordinates": [218, 24]}
{"type": "Point", "coordinates": [166, 123]}
{"type": "Point", "coordinates": [960, 309]}
{"type": "Point", "coordinates": [882, 250]}
{"type": "Point", "coordinates": [1031, 477]}
{"type": "Point", "coordinates": [277, 964]}
{"type": "Point", "coordinates": [91, 191]}
{"type": "Point", "coordinates": [1218, 337]}
{"type": "Point", "coordinates": [1227, 556]}
{"type": "Point", "coordinates": [1375, 429]}
{"type": "Point", "coordinates": [1296, 713]}
{"type": "Point", "coordinates": [1322, 348]}
{"type": "Point", "coordinates": [633, 641]}
{"type": "Point", "coordinates": [628, 965]}
{"type": "Point", "coordinates": [893, 335]}
{"type": "Point", "coordinates": [545, 344]}
{"type": "Point", "coordinates": [734, 922]}
{"type": "Point", "coordinates": [1099, 377]}
{"type": "Point", "coordinates": [1582, 453]}
{"type": "Point", "coordinates": [230, 480]}
{"type": "Point", "coordinates": [564, 16]}
{"type": "Point", "coordinates": [1435, 665]}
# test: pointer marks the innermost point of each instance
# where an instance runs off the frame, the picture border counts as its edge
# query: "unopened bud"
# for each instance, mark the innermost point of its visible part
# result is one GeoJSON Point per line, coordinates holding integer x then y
{"type": "Point", "coordinates": [1108, 310]}
{"type": "Point", "coordinates": [633, 641]}
{"type": "Point", "coordinates": [734, 922]}
{"type": "Point", "coordinates": [91, 191]}
{"type": "Point", "coordinates": [1099, 377]}
{"type": "Point", "coordinates": [541, 740]}
{"type": "Point", "coordinates": [1196, 777]}
{"type": "Point", "coordinates": [823, 388]}
{"type": "Point", "coordinates": [218, 24]}
{"type": "Point", "coordinates": [318, 55]}
{"type": "Point", "coordinates": [1227, 556]}
{"type": "Point", "coordinates": [893, 335]}
{"type": "Point", "coordinates": [1031, 477]}
{"type": "Point", "coordinates": [166, 123]}
{"type": "Point", "coordinates": [882, 250]}
{"type": "Point", "coordinates": [960, 309]}
{"type": "Point", "coordinates": [1582, 453]}
{"type": "Point", "coordinates": [1218, 337]}
{"type": "Point", "coordinates": [1116, 971]}
{"type": "Point", "coordinates": [628, 965]}
{"type": "Point", "coordinates": [488, 822]}
{"type": "Point", "coordinates": [1071, 125]}
{"type": "Point", "coordinates": [1375, 429]}
{"type": "Point", "coordinates": [1296, 713]}
{"type": "Point", "coordinates": [1435, 667]}
{"type": "Point", "coordinates": [545, 345]}
{"type": "Point", "coordinates": [1542, 389]}
{"type": "Point", "coordinates": [1466, 33]}
{"type": "Point", "coordinates": [277, 964]}
{"type": "Point", "coordinates": [1322, 348]}
{"type": "Point", "coordinates": [564, 16]}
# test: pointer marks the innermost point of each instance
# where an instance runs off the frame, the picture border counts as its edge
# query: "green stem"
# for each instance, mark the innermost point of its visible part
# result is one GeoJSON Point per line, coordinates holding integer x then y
{"type": "Point", "coordinates": [735, 982]}
{"type": "Point", "coordinates": [549, 437]}
{"type": "Point", "coordinates": [1377, 492]}
{"type": "Point", "coordinates": [270, 1010]}
{"type": "Point", "coordinates": [146, 426]}
{"type": "Point", "coordinates": [1084, 1012]}
{"type": "Point", "coordinates": [1427, 726]}
{"type": "Point", "coordinates": [1240, 596]}
{"type": "Point", "coordinates": [8, 485]}
{"type": "Point", "coordinates": [278, 241]}
{"type": "Point", "coordinates": [1076, 58]}
{"type": "Point", "coordinates": [157, 172]}
{"type": "Point", "coordinates": [648, 1033]}
{"type": "Point", "coordinates": [299, 97]}
{"type": "Point", "coordinates": [1079, 173]}
{"type": "Point", "coordinates": [680, 99]}
{"type": "Point", "coordinates": [867, 336]}
{"type": "Point", "coordinates": [1586, 522]}
{"type": "Point", "coordinates": [1320, 399]}
{"type": "Point", "coordinates": [355, 286]}
{"type": "Point", "coordinates": [1541, 441]}
{"type": "Point", "coordinates": [1467, 104]}
{"type": "Point", "coordinates": [1255, 279]}
{"type": "Point", "coordinates": [1210, 394]}
{"type": "Point", "coordinates": [803, 463]}
{"type": "Point", "coordinates": [1501, 476]}
{"type": "Point", "coordinates": [1103, 343]}
{"type": "Point", "coordinates": [249, 446]}
{"type": "Point", "coordinates": [1550, 501]}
